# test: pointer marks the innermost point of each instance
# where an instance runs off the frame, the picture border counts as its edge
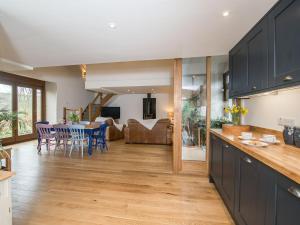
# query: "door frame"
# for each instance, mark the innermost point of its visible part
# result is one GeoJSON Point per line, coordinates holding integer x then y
{"type": "Point", "coordinates": [21, 81]}
{"type": "Point", "coordinates": [177, 131]}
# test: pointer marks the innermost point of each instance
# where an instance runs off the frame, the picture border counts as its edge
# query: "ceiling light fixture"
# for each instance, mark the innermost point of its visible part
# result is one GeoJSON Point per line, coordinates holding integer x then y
{"type": "Point", "coordinates": [83, 71]}
{"type": "Point", "coordinates": [112, 25]}
{"type": "Point", "coordinates": [225, 13]}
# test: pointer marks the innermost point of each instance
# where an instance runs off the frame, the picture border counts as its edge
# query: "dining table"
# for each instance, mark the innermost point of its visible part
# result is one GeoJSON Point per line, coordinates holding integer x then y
{"type": "Point", "coordinates": [89, 130]}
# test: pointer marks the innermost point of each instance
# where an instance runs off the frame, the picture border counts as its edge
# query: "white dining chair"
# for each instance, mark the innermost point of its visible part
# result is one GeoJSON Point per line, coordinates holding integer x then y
{"type": "Point", "coordinates": [77, 137]}
{"type": "Point", "coordinates": [62, 135]}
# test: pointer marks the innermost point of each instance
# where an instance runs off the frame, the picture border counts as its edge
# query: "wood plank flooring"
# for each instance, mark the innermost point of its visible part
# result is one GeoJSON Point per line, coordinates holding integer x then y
{"type": "Point", "coordinates": [128, 185]}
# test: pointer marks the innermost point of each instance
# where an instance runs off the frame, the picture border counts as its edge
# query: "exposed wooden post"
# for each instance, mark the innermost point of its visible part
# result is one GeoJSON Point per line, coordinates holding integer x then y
{"type": "Point", "coordinates": [208, 109]}
{"type": "Point", "coordinates": [90, 111]}
{"type": "Point", "coordinates": [177, 138]}
{"type": "Point", "coordinates": [100, 99]}
{"type": "Point", "coordinates": [65, 114]}
{"type": "Point", "coordinates": [80, 113]}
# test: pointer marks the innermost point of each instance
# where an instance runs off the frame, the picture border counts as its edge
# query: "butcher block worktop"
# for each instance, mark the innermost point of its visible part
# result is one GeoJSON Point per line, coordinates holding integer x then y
{"type": "Point", "coordinates": [283, 158]}
{"type": "Point", "coordinates": [5, 175]}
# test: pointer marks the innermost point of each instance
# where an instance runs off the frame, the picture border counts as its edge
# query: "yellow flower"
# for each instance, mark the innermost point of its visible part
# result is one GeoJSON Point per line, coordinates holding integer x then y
{"type": "Point", "coordinates": [244, 111]}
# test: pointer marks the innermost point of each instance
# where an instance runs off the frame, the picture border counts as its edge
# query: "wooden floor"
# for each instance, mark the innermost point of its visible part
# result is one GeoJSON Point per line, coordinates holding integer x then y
{"type": "Point", "coordinates": [128, 185]}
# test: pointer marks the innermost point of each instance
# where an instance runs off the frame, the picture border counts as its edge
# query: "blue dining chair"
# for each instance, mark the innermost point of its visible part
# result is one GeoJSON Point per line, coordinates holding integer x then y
{"type": "Point", "coordinates": [101, 137]}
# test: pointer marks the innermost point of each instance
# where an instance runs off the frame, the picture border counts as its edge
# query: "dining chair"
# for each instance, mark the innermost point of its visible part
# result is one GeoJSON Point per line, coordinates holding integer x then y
{"type": "Point", "coordinates": [38, 134]}
{"type": "Point", "coordinates": [46, 133]}
{"type": "Point", "coordinates": [62, 134]}
{"type": "Point", "coordinates": [100, 137]}
{"type": "Point", "coordinates": [77, 137]}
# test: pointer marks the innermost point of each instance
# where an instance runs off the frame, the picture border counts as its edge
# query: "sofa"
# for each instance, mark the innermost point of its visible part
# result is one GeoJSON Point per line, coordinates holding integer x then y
{"type": "Point", "coordinates": [112, 132]}
{"type": "Point", "coordinates": [137, 133]}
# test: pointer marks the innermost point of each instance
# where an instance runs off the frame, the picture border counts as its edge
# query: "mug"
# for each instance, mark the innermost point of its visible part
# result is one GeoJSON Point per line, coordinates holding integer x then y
{"type": "Point", "coordinates": [269, 138]}
{"type": "Point", "coordinates": [246, 135]}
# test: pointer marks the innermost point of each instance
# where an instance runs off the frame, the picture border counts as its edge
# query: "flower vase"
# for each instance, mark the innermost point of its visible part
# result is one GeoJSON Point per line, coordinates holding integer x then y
{"type": "Point", "coordinates": [236, 119]}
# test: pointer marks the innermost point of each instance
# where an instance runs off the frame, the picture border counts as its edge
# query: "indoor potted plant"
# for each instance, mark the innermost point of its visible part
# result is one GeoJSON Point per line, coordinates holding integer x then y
{"type": "Point", "coordinates": [236, 113]}
{"type": "Point", "coordinates": [74, 118]}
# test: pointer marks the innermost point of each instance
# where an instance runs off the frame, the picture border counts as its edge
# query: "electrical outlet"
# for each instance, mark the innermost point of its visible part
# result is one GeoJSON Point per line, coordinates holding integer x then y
{"type": "Point", "coordinates": [286, 122]}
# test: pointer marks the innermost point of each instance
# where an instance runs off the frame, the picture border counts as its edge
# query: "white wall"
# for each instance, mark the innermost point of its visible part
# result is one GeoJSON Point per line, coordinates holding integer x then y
{"type": "Point", "coordinates": [129, 74]}
{"type": "Point", "coordinates": [70, 90]}
{"type": "Point", "coordinates": [132, 105]}
{"type": "Point", "coordinates": [51, 101]}
{"type": "Point", "coordinates": [264, 111]}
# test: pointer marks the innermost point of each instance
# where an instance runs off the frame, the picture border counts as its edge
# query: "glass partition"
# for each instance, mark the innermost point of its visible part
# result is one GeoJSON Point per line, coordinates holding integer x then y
{"type": "Point", "coordinates": [193, 108]}
{"type": "Point", "coordinates": [219, 89]}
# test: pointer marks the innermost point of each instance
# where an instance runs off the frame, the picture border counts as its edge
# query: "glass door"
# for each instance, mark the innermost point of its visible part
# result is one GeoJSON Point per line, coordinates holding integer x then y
{"type": "Point", "coordinates": [6, 106]}
{"type": "Point", "coordinates": [25, 97]}
{"type": "Point", "coordinates": [25, 112]}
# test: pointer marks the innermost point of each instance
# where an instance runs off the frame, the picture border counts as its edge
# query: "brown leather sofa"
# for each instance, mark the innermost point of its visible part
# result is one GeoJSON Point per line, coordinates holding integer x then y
{"type": "Point", "coordinates": [112, 132]}
{"type": "Point", "coordinates": [161, 133]}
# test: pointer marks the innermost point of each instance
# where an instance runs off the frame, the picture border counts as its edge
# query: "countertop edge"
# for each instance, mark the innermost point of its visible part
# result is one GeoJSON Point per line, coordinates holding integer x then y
{"type": "Point", "coordinates": [270, 163]}
{"type": "Point", "coordinates": [4, 175]}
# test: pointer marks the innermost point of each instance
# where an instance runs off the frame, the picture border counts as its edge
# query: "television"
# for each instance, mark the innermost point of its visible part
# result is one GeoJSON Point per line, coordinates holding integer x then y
{"type": "Point", "coordinates": [113, 112]}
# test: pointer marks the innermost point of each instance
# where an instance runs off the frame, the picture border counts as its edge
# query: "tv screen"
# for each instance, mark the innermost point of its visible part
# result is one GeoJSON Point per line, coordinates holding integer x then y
{"type": "Point", "coordinates": [113, 112]}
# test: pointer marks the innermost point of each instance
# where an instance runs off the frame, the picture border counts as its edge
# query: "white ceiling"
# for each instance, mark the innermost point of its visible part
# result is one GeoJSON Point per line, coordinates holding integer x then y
{"type": "Point", "coordinates": [67, 32]}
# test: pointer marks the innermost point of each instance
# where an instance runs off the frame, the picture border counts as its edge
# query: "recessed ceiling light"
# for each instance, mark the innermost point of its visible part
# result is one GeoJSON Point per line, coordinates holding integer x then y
{"type": "Point", "coordinates": [112, 25]}
{"type": "Point", "coordinates": [225, 13]}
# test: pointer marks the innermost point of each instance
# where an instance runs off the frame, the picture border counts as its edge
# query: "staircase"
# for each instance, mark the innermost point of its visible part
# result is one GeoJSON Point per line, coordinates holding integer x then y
{"type": "Point", "coordinates": [93, 110]}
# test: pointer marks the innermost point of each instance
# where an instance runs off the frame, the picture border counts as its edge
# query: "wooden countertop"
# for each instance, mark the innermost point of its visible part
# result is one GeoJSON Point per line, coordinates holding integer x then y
{"type": "Point", "coordinates": [281, 157]}
{"type": "Point", "coordinates": [5, 175]}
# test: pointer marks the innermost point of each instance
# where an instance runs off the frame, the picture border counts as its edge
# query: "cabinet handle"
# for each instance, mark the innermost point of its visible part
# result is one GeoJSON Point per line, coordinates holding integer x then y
{"type": "Point", "coordinates": [247, 160]}
{"type": "Point", "coordinates": [254, 88]}
{"type": "Point", "coordinates": [294, 191]}
{"type": "Point", "coordinates": [288, 78]}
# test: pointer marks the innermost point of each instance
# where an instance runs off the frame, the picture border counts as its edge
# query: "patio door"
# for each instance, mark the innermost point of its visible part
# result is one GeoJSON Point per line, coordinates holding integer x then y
{"type": "Point", "coordinates": [25, 113]}
{"type": "Point", "coordinates": [26, 97]}
{"type": "Point", "coordinates": [6, 105]}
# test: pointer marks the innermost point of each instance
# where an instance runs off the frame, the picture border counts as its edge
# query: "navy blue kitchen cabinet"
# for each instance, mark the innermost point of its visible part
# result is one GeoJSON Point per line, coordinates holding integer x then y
{"type": "Point", "coordinates": [257, 43]}
{"type": "Point", "coordinates": [254, 193]}
{"type": "Point", "coordinates": [216, 159]}
{"type": "Point", "coordinates": [228, 175]}
{"type": "Point", "coordinates": [252, 196]}
{"type": "Point", "coordinates": [268, 57]}
{"type": "Point", "coordinates": [238, 66]}
{"type": "Point", "coordinates": [285, 205]}
{"type": "Point", "coordinates": [248, 62]}
{"type": "Point", "coordinates": [284, 43]}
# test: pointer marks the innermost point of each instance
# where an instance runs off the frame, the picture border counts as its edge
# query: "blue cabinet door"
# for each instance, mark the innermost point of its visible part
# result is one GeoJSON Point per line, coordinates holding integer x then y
{"type": "Point", "coordinates": [284, 43]}
{"type": "Point", "coordinates": [238, 70]}
{"type": "Point", "coordinates": [216, 160]}
{"type": "Point", "coordinates": [257, 44]}
{"type": "Point", "coordinates": [228, 176]}
{"type": "Point", "coordinates": [286, 205]}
